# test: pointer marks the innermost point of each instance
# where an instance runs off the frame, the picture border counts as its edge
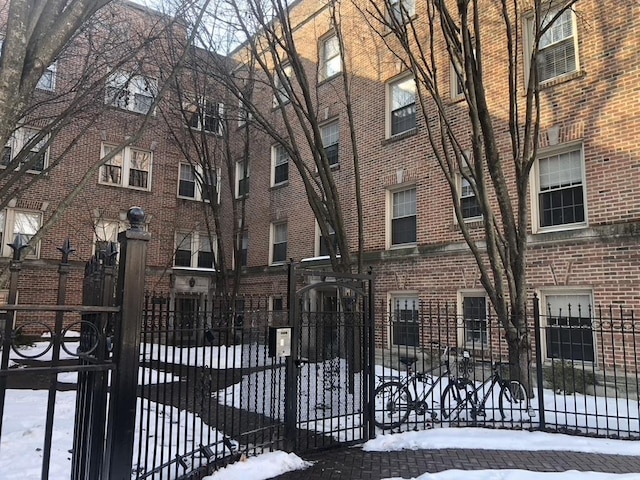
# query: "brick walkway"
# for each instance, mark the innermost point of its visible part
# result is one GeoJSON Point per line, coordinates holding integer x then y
{"type": "Point", "coordinates": [354, 464]}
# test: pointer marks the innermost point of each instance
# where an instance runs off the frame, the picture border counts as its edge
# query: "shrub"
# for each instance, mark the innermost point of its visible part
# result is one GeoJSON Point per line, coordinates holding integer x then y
{"type": "Point", "coordinates": [565, 376]}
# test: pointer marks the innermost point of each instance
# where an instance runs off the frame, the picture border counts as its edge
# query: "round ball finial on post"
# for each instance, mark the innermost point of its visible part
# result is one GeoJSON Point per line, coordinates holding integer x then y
{"type": "Point", "coordinates": [136, 217]}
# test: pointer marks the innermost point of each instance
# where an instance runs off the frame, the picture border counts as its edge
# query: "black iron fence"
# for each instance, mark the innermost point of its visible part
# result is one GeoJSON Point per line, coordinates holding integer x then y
{"type": "Point", "coordinates": [209, 390]}
{"type": "Point", "coordinates": [451, 366]}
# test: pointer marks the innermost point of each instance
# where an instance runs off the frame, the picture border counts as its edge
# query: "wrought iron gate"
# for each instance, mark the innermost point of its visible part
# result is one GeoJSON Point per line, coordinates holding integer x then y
{"type": "Point", "coordinates": [329, 378]}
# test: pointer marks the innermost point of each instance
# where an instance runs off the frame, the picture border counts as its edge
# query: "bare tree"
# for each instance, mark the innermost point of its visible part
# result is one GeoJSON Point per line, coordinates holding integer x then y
{"type": "Point", "coordinates": [466, 137]}
{"type": "Point", "coordinates": [272, 75]}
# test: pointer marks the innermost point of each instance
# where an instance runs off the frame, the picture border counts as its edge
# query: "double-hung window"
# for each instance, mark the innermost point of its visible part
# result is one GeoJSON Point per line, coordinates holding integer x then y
{"type": "Point", "coordinates": [242, 179]}
{"type": "Point", "coordinates": [330, 61]}
{"type": "Point", "coordinates": [560, 190]}
{"type": "Point", "coordinates": [567, 316]}
{"type": "Point", "coordinates": [279, 238]}
{"type": "Point", "coordinates": [194, 250]}
{"type": "Point", "coordinates": [282, 82]}
{"type": "Point", "coordinates": [205, 115]}
{"type": "Point", "coordinates": [35, 157]}
{"type": "Point", "coordinates": [331, 142]}
{"type": "Point", "coordinates": [402, 105]}
{"type": "Point", "coordinates": [130, 92]}
{"type": "Point", "coordinates": [15, 222]}
{"type": "Point", "coordinates": [403, 216]}
{"type": "Point", "coordinates": [48, 79]}
{"type": "Point", "coordinates": [130, 167]}
{"type": "Point", "coordinates": [280, 163]}
{"type": "Point", "coordinates": [558, 47]}
{"type": "Point", "coordinates": [325, 241]}
{"type": "Point", "coordinates": [405, 324]}
{"type": "Point", "coordinates": [198, 183]}
{"type": "Point", "coordinates": [401, 11]}
{"type": "Point", "coordinates": [474, 320]}
{"type": "Point", "coordinates": [469, 204]}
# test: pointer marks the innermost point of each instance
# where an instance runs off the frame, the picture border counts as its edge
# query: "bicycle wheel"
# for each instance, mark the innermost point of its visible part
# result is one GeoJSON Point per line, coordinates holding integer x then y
{"type": "Point", "coordinates": [452, 402]}
{"type": "Point", "coordinates": [392, 403]}
{"type": "Point", "coordinates": [513, 401]}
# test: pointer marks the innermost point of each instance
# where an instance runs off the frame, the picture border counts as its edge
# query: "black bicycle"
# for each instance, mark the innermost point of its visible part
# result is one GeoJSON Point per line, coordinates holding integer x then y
{"type": "Point", "coordinates": [461, 400]}
{"type": "Point", "coordinates": [397, 397]}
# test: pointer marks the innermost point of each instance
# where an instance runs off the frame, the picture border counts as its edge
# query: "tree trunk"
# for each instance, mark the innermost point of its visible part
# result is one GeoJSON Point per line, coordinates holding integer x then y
{"type": "Point", "coordinates": [520, 359]}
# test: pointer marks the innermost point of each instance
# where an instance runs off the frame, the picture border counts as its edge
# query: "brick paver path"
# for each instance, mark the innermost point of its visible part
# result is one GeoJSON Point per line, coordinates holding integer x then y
{"type": "Point", "coordinates": [354, 464]}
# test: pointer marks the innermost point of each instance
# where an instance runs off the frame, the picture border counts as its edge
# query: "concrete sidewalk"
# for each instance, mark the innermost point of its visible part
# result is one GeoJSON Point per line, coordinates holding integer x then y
{"type": "Point", "coordinates": [354, 464]}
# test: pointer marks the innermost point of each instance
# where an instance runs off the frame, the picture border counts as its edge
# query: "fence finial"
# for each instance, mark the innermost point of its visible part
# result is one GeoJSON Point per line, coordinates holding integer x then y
{"type": "Point", "coordinates": [66, 250]}
{"type": "Point", "coordinates": [136, 217]}
{"type": "Point", "coordinates": [18, 245]}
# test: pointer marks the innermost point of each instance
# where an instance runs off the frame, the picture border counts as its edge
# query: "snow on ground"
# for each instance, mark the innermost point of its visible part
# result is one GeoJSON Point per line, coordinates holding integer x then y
{"type": "Point", "coordinates": [236, 356]}
{"type": "Point", "coordinates": [146, 376]}
{"type": "Point", "coordinates": [262, 467]}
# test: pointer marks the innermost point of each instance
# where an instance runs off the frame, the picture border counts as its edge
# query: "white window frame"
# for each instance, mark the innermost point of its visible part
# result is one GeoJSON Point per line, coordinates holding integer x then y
{"type": "Point", "coordinates": [50, 73]}
{"type": "Point", "coordinates": [332, 136]}
{"type": "Point", "coordinates": [462, 194]}
{"type": "Point", "coordinates": [462, 330]}
{"type": "Point", "coordinates": [279, 157]}
{"type": "Point", "coordinates": [19, 139]}
{"type": "Point", "coordinates": [243, 172]}
{"type": "Point", "coordinates": [126, 167]}
{"type": "Point", "coordinates": [194, 247]}
{"type": "Point", "coordinates": [122, 87]}
{"type": "Point", "coordinates": [8, 224]}
{"type": "Point", "coordinates": [390, 216]}
{"type": "Point", "coordinates": [405, 77]}
{"type": "Point", "coordinates": [402, 10]}
{"type": "Point", "coordinates": [280, 94]}
{"type": "Point", "coordinates": [317, 244]}
{"type": "Point", "coordinates": [328, 59]}
{"type": "Point", "coordinates": [197, 181]}
{"type": "Point", "coordinates": [201, 110]}
{"type": "Point", "coordinates": [536, 219]}
{"type": "Point", "coordinates": [400, 299]}
{"type": "Point", "coordinates": [544, 295]}
{"type": "Point", "coordinates": [530, 39]}
{"type": "Point", "coordinates": [272, 239]}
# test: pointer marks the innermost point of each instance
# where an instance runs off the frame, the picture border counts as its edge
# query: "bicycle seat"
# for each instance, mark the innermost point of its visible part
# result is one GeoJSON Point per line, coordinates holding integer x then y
{"type": "Point", "coordinates": [408, 361]}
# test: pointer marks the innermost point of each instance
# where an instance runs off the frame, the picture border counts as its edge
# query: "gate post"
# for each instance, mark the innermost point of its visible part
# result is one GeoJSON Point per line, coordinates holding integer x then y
{"type": "Point", "coordinates": [291, 375]}
{"type": "Point", "coordinates": [130, 296]}
{"type": "Point", "coordinates": [539, 372]}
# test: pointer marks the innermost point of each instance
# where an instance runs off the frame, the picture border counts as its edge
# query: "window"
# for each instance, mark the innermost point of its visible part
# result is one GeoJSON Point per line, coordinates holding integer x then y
{"type": "Point", "coordinates": [129, 168]}
{"type": "Point", "coordinates": [331, 141]}
{"type": "Point", "coordinates": [402, 104]}
{"type": "Point", "coordinates": [474, 320]}
{"type": "Point", "coordinates": [405, 324]}
{"type": "Point", "coordinates": [324, 242]}
{"type": "Point", "coordinates": [36, 159]}
{"type": "Point", "coordinates": [205, 115]}
{"type": "Point", "coordinates": [194, 250]}
{"type": "Point", "coordinates": [401, 11]}
{"type": "Point", "coordinates": [130, 92]}
{"type": "Point", "coordinates": [330, 61]}
{"type": "Point", "coordinates": [197, 184]}
{"type": "Point", "coordinates": [557, 50]}
{"type": "Point", "coordinates": [280, 162]}
{"type": "Point", "coordinates": [569, 333]}
{"type": "Point", "coordinates": [468, 201]}
{"type": "Point", "coordinates": [244, 115]}
{"type": "Point", "coordinates": [279, 234]}
{"type": "Point", "coordinates": [242, 179]}
{"type": "Point", "coordinates": [15, 222]}
{"type": "Point", "coordinates": [48, 79]}
{"type": "Point", "coordinates": [403, 216]}
{"type": "Point", "coordinates": [244, 249]}
{"type": "Point", "coordinates": [560, 190]}
{"type": "Point", "coordinates": [281, 95]}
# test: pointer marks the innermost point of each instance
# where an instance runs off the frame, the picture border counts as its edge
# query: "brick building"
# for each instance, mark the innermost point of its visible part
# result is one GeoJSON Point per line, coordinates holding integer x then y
{"type": "Point", "coordinates": [582, 251]}
{"type": "Point", "coordinates": [584, 199]}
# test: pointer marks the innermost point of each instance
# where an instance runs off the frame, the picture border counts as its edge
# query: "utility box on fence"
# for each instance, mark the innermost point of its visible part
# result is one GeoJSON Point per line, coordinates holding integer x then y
{"type": "Point", "coordinates": [279, 341]}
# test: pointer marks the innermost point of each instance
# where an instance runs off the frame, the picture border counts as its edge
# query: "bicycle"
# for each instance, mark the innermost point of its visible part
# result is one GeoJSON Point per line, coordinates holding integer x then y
{"type": "Point", "coordinates": [461, 394]}
{"type": "Point", "coordinates": [395, 399]}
